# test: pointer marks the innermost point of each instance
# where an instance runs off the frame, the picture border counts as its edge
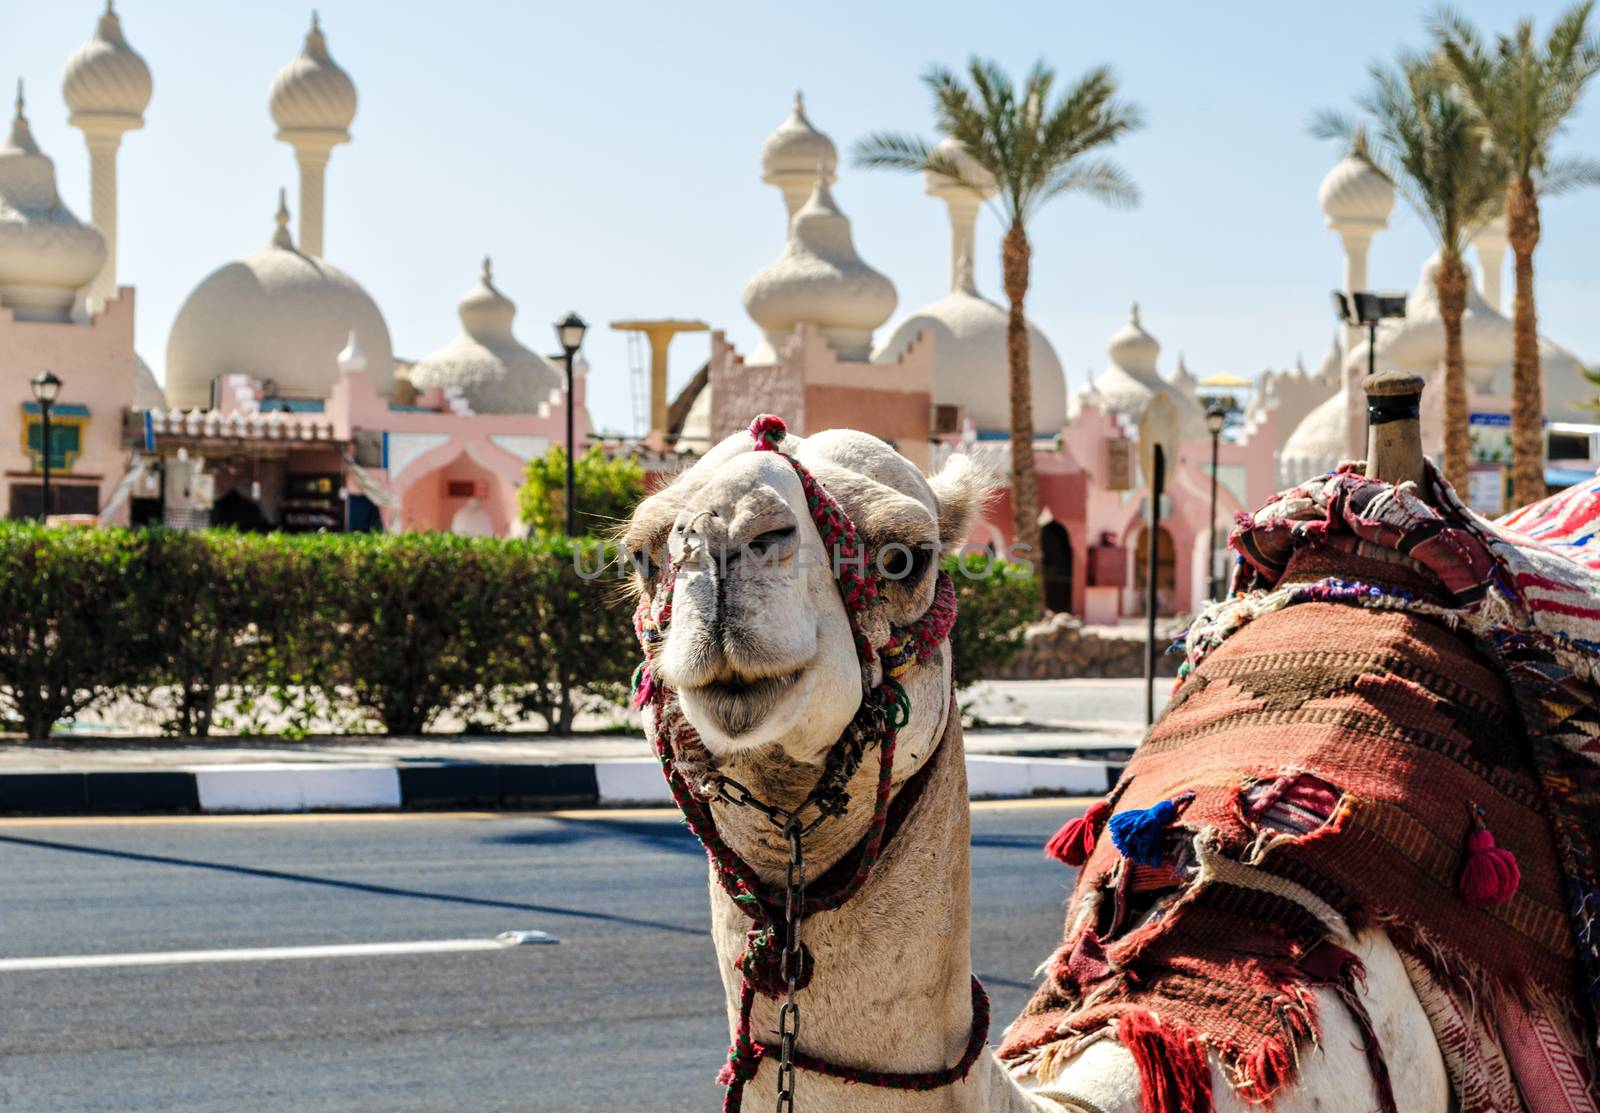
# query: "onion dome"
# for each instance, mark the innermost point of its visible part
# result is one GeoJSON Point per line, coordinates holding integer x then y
{"type": "Point", "coordinates": [106, 78]}
{"type": "Point", "coordinates": [972, 177]}
{"type": "Point", "coordinates": [1318, 444]}
{"type": "Point", "coordinates": [492, 371]}
{"type": "Point", "coordinates": [279, 316]}
{"type": "Point", "coordinates": [312, 93]}
{"type": "Point", "coordinates": [819, 278]}
{"type": "Point", "coordinates": [1130, 379]}
{"type": "Point", "coordinates": [1355, 195]}
{"type": "Point", "coordinates": [970, 366]}
{"type": "Point", "coordinates": [797, 147]}
{"type": "Point", "coordinates": [1416, 342]}
{"type": "Point", "coordinates": [46, 253]}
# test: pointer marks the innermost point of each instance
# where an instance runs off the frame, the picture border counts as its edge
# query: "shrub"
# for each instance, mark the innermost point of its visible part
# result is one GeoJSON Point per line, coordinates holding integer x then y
{"type": "Point", "coordinates": [71, 627]}
{"type": "Point", "coordinates": [608, 488]}
{"type": "Point", "coordinates": [995, 601]}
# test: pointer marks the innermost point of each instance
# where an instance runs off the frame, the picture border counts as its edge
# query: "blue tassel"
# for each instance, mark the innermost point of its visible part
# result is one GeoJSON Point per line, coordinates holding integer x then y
{"type": "Point", "coordinates": [1139, 834]}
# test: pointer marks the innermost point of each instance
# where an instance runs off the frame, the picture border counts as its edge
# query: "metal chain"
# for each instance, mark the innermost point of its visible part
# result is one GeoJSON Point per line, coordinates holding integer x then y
{"type": "Point", "coordinates": [794, 903]}
{"type": "Point", "coordinates": [794, 910]}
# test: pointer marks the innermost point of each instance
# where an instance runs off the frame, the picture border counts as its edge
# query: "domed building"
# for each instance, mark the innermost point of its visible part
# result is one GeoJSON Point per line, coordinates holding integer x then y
{"type": "Point", "coordinates": [485, 365]}
{"type": "Point", "coordinates": [280, 408]}
{"type": "Point", "coordinates": [796, 155]}
{"type": "Point", "coordinates": [971, 368]}
{"type": "Point", "coordinates": [279, 316]}
{"type": "Point", "coordinates": [819, 278]}
{"type": "Point", "coordinates": [48, 257]}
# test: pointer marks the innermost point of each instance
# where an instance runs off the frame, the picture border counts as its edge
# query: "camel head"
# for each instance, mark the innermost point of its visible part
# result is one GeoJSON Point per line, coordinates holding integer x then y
{"type": "Point", "coordinates": [759, 645]}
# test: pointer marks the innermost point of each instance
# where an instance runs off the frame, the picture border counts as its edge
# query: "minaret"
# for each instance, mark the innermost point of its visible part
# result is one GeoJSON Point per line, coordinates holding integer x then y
{"type": "Point", "coordinates": [1356, 201]}
{"type": "Point", "coordinates": [107, 88]}
{"type": "Point", "coordinates": [796, 155]}
{"type": "Point", "coordinates": [313, 102]}
{"type": "Point", "coordinates": [963, 194]}
{"type": "Point", "coordinates": [1491, 245]}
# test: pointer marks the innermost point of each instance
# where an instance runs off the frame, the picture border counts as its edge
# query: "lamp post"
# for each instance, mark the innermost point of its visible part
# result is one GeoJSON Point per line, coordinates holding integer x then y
{"type": "Point", "coordinates": [569, 331]}
{"type": "Point", "coordinates": [1216, 418]}
{"type": "Point", "coordinates": [1366, 308]}
{"type": "Point", "coordinates": [46, 388]}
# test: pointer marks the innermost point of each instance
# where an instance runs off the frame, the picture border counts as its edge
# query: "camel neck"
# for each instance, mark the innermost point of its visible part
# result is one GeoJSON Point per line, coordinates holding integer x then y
{"type": "Point", "coordinates": [891, 989]}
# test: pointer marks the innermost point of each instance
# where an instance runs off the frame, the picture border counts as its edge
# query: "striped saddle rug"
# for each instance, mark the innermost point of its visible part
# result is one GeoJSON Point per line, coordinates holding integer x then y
{"type": "Point", "coordinates": [1394, 719]}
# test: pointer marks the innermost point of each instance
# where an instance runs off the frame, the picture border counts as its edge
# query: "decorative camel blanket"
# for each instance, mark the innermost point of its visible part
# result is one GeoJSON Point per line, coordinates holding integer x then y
{"type": "Point", "coordinates": [1430, 761]}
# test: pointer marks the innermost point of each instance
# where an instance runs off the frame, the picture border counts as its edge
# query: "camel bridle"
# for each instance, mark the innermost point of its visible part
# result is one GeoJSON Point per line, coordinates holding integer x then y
{"type": "Point", "coordinates": [775, 962]}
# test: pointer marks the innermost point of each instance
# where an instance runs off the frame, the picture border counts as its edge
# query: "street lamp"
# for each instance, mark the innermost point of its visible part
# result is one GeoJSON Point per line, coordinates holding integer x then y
{"type": "Point", "coordinates": [1366, 308]}
{"type": "Point", "coordinates": [569, 331]}
{"type": "Point", "coordinates": [1216, 418]}
{"type": "Point", "coordinates": [46, 388]}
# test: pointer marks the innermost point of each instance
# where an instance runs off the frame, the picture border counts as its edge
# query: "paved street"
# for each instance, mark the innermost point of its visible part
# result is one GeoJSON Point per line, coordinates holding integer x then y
{"type": "Point", "coordinates": [624, 1013]}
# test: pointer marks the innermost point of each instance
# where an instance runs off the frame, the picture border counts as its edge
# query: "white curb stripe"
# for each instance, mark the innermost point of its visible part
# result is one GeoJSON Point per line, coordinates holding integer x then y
{"type": "Point", "coordinates": [295, 787]}
{"type": "Point", "coordinates": [249, 954]}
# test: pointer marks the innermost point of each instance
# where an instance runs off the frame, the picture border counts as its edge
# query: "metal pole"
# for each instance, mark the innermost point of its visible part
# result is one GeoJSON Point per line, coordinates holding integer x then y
{"type": "Point", "coordinates": [1153, 550]}
{"type": "Point", "coordinates": [1211, 536]}
{"type": "Point", "coordinates": [571, 484]}
{"type": "Point", "coordinates": [1372, 348]}
{"type": "Point", "coordinates": [44, 457]}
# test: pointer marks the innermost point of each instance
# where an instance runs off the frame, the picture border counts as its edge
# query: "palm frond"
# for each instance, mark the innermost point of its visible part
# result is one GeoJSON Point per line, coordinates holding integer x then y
{"type": "Point", "coordinates": [1101, 179]}
{"type": "Point", "coordinates": [1563, 175]}
{"type": "Point", "coordinates": [892, 151]}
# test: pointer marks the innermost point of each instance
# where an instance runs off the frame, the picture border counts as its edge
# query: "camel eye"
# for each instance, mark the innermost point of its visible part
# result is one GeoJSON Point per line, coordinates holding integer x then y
{"type": "Point", "coordinates": [901, 563]}
{"type": "Point", "coordinates": [762, 542]}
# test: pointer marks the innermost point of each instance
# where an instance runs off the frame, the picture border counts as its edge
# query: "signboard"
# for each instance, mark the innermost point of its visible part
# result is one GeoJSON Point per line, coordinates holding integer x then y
{"type": "Point", "coordinates": [1486, 490]}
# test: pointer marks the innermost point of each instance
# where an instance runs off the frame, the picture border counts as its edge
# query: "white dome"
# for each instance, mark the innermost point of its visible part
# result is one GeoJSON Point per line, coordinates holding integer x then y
{"type": "Point", "coordinates": [1130, 379]}
{"type": "Point", "coordinates": [312, 93]}
{"type": "Point", "coordinates": [1332, 360]}
{"type": "Point", "coordinates": [1317, 444]}
{"type": "Point", "coordinates": [275, 315]}
{"type": "Point", "coordinates": [1416, 343]}
{"type": "Point", "coordinates": [1354, 193]}
{"type": "Point", "coordinates": [495, 373]}
{"type": "Point", "coordinates": [970, 367]}
{"type": "Point", "coordinates": [147, 393]}
{"type": "Point", "coordinates": [971, 178]}
{"type": "Point", "coordinates": [797, 147]}
{"type": "Point", "coordinates": [46, 253]}
{"type": "Point", "coordinates": [819, 278]}
{"type": "Point", "coordinates": [106, 77]}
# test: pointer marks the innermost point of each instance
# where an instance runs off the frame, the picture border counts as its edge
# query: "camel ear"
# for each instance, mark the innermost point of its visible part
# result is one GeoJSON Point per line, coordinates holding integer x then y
{"type": "Point", "coordinates": [961, 488]}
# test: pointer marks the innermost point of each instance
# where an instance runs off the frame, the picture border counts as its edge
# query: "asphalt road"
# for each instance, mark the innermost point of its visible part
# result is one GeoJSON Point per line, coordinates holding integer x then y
{"type": "Point", "coordinates": [626, 1012]}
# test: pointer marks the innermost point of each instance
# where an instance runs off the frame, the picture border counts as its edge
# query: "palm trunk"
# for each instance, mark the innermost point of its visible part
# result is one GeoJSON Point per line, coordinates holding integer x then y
{"type": "Point", "coordinates": [1451, 282]}
{"type": "Point", "coordinates": [1024, 486]}
{"type": "Point", "coordinates": [1527, 386]}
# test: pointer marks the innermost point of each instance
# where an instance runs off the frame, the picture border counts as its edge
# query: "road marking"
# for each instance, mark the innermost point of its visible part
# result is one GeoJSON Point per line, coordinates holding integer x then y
{"type": "Point", "coordinates": [270, 954]}
{"type": "Point", "coordinates": [610, 814]}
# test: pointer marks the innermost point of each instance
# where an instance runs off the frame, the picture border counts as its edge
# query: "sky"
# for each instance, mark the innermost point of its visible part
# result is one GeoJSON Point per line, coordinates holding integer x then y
{"type": "Point", "coordinates": [607, 157]}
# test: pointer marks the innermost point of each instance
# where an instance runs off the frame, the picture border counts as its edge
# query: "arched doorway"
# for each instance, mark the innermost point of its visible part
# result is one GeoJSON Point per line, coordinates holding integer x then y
{"type": "Point", "coordinates": [1166, 569]}
{"type": "Point", "coordinates": [1056, 546]}
{"type": "Point", "coordinates": [240, 512]}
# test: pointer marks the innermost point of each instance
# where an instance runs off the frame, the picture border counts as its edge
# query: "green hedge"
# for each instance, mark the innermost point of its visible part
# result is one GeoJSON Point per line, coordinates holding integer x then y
{"type": "Point", "coordinates": [256, 632]}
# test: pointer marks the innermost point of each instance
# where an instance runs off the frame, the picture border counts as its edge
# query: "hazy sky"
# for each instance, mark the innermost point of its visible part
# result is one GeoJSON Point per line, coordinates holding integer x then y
{"type": "Point", "coordinates": [607, 156]}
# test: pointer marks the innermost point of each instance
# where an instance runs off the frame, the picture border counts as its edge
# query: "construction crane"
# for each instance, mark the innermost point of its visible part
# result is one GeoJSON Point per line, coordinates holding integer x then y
{"type": "Point", "coordinates": [659, 333]}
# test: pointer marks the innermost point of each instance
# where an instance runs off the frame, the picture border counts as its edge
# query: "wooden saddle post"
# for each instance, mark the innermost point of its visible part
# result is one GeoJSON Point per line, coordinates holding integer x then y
{"type": "Point", "coordinates": [1394, 430]}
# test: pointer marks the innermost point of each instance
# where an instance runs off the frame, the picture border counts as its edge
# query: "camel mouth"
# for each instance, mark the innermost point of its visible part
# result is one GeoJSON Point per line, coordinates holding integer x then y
{"type": "Point", "coordinates": [737, 703]}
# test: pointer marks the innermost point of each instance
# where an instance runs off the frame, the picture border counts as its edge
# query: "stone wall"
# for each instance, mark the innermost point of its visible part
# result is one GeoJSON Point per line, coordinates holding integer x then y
{"type": "Point", "coordinates": [1062, 646]}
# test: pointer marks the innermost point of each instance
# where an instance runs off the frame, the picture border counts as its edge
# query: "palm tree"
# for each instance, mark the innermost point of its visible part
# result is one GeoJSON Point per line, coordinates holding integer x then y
{"type": "Point", "coordinates": [1523, 92]}
{"type": "Point", "coordinates": [1423, 137]}
{"type": "Point", "coordinates": [1036, 147]}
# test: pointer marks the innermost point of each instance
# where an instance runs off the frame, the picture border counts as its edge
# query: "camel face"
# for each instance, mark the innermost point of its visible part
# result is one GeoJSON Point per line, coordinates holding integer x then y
{"type": "Point", "coordinates": [759, 646]}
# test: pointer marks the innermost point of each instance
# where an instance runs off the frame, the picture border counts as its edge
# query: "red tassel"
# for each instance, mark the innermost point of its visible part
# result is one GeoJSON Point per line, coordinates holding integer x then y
{"type": "Point", "coordinates": [1491, 875]}
{"type": "Point", "coordinates": [1174, 1076]}
{"type": "Point", "coordinates": [1075, 841]}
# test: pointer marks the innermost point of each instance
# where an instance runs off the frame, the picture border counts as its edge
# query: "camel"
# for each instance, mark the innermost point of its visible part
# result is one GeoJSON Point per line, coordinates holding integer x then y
{"type": "Point", "coordinates": [761, 654]}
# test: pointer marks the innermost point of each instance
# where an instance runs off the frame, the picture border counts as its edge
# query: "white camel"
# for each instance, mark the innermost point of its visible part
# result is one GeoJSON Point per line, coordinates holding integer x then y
{"type": "Point", "coordinates": [760, 652]}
